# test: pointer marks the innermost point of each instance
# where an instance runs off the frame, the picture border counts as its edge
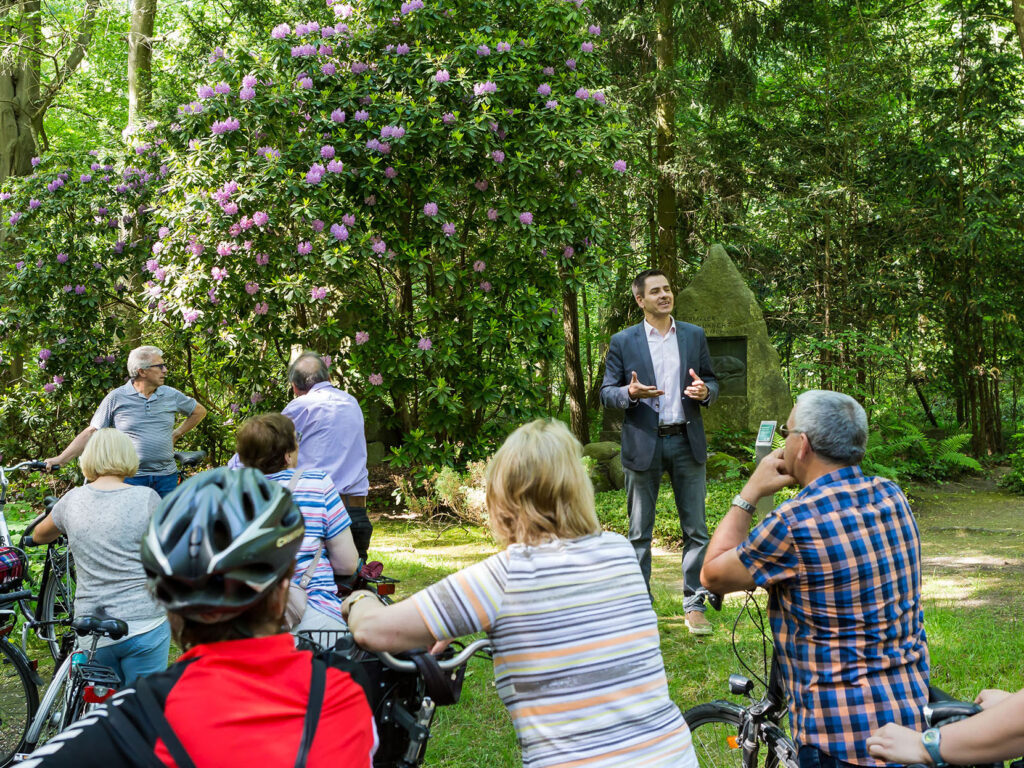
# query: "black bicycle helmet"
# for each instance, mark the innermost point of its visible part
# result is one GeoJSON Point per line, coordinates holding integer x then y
{"type": "Point", "coordinates": [219, 541]}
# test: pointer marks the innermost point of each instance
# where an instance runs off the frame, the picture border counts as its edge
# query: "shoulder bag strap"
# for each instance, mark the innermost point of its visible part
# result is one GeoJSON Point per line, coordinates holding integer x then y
{"type": "Point", "coordinates": [158, 719]}
{"type": "Point", "coordinates": [317, 686]}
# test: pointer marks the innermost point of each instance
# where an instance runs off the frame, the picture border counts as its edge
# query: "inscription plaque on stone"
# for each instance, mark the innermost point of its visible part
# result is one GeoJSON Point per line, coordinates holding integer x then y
{"type": "Point", "coordinates": [729, 360]}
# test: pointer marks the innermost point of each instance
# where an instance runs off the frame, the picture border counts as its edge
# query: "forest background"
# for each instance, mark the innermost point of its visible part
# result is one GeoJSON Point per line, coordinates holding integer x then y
{"type": "Point", "coordinates": [862, 162]}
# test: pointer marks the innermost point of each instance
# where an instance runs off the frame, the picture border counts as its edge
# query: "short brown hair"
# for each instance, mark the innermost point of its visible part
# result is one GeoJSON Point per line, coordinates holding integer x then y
{"type": "Point", "coordinates": [263, 441]}
{"type": "Point", "coordinates": [538, 488]}
{"type": "Point", "coordinates": [640, 281]}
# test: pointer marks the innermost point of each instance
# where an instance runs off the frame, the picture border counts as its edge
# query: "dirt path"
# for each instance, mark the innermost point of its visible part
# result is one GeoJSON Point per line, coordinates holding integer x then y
{"type": "Point", "coordinates": [972, 538]}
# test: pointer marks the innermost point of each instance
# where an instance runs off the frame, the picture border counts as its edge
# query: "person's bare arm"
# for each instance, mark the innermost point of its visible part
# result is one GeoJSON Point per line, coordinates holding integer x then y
{"type": "Point", "coordinates": [341, 551]}
{"type": "Point", "coordinates": [45, 531]}
{"type": "Point", "coordinates": [73, 451]}
{"type": "Point", "coordinates": [723, 571]}
{"type": "Point", "coordinates": [991, 736]}
{"type": "Point", "coordinates": [189, 424]}
{"type": "Point", "coordinates": [379, 627]}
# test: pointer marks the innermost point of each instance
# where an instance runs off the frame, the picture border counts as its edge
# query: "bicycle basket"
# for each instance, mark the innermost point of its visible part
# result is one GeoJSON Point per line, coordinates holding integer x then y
{"type": "Point", "coordinates": [13, 567]}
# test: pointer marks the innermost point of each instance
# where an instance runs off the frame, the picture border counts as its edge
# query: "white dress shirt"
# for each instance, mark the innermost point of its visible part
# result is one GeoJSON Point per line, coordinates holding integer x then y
{"type": "Point", "coordinates": [665, 356]}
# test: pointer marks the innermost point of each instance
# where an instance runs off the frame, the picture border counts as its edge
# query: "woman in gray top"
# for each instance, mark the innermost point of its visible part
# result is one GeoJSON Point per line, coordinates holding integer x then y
{"type": "Point", "coordinates": [105, 522]}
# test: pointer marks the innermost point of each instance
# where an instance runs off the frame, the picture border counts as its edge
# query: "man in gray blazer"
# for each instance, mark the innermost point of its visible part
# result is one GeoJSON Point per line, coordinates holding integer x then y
{"type": "Point", "coordinates": [659, 372]}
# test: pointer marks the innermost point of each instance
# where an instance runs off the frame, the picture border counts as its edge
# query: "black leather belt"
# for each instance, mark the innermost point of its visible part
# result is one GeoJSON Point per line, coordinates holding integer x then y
{"type": "Point", "coordinates": [671, 429]}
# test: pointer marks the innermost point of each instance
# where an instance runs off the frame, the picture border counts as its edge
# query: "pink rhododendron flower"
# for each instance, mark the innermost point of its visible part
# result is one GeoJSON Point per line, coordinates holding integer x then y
{"type": "Point", "coordinates": [481, 185]}
{"type": "Point", "coordinates": [318, 225]}
{"type": "Point", "coordinates": [260, 218]}
{"type": "Point", "coordinates": [247, 94]}
{"type": "Point", "coordinates": [361, 116]}
{"type": "Point", "coordinates": [569, 252]}
{"type": "Point", "coordinates": [349, 220]}
{"type": "Point", "coordinates": [430, 209]}
{"type": "Point", "coordinates": [262, 259]}
{"type": "Point", "coordinates": [544, 89]}
{"type": "Point", "coordinates": [442, 76]}
{"type": "Point", "coordinates": [315, 174]}
{"type": "Point", "coordinates": [249, 81]}
{"type": "Point", "coordinates": [230, 208]}
{"type": "Point", "coordinates": [359, 67]}
{"type": "Point", "coordinates": [160, 274]}
{"type": "Point", "coordinates": [35, 161]}
{"type": "Point", "coordinates": [447, 118]}
{"type": "Point", "coordinates": [504, 47]}
{"type": "Point", "coordinates": [317, 293]}
{"type": "Point", "coordinates": [479, 266]}
{"type": "Point", "coordinates": [492, 214]}
{"type": "Point", "coordinates": [619, 165]}
{"type": "Point", "coordinates": [598, 96]}
{"type": "Point", "coordinates": [550, 104]}
{"type": "Point", "coordinates": [526, 218]}
{"type": "Point", "coordinates": [255, 397]}
{"type": "Point", "coordinates": [327, 49]}
{"type": "Point", "coordinates": [548, 71]}
{"type": "Point", "coordinates": [252, 288]}
{"type": "Point", "coordinates": [425, 343]}
{"type": "Point", "coordinates": [58, 380]}
{"type": "Point", "coordinates": [304, 248]}
{"type": "Point", "coordinates": [379, 246]}
{"type": "Point", "coordinates": [485, 287]}
{"type": "Point", "coordinates": [335, 166]}
{"type": "Point", "coordinates": [483, 50]}
{"type": "Point", "coordinates": [280, 31]}
{"type": "Point", "coordinates": [224, 249]}
{"type": "Point", "coordinates": [448, 229]}
{"type": "Point", "coordinates": [338, 116]}
{"type": "Point", "coordinates": [15, 217]}
{"type": "Point", "coordinates": [594, 29]}
{"type": "Point", "coordinates": [582, 93]}
{"type": "Point", "coordinates": [570, 63]}
{"type": "Point", "coordinates": [305, 83]}
{"type": "Point", "coordinates": [261, 308]}
{"type": "Point", "coordinates": [498, 156]}
{"type": "Point", "coordinates": [362, 337]}
{"type": "Point", "coordinates": [218, 274]}
{"type": "Point", "coordinates": [479, 89]}
{"type": "Point", "coordinates": [587, 47]}
{"type": "Point", "coordinates": [390, 172]}
{"type": "Point", "coordinates": [225, 126]}
{"type": "Point", "coordinates": [222, 88]}
{"type": "Point", "coordinates": [328, 68]}
{"type": "Point", "coordinates": [44, 354]}
{"type": "Point", "coordinates": [376, 379]}
{"type": "Point", "coordinates": [62, 258]}
{"type": "Point", "coordinates": [79, 289]}
{"type": "Point", "coordinates": [401, 49]}
{"type": "Point", "coordinates": [340, 232]}
{"type": "Point", "coordinates": [49, 387]}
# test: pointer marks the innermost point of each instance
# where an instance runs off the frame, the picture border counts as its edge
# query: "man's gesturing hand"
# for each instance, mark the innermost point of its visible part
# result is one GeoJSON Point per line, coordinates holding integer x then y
{"type": "Point", "coordinates": [698, 390]}
{"type": "Point", "coordinates": [638, 390]}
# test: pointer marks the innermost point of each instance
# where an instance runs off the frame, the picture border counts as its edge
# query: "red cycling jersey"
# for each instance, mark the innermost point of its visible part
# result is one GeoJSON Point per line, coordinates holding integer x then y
{"type": "Point", "coordinates": [236, 703]}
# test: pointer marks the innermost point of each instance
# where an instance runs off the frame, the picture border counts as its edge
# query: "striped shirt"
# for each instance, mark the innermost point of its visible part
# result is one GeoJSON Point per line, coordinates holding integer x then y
{"type": "Point", "coordinates": [841, 562]}
{"type": "Point", "coordinates": [325, 517]}
{"type": "Point", "coordinates": [577, 657]}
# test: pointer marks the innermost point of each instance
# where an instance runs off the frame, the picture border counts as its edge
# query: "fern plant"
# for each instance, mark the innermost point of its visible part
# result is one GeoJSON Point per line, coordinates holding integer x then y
{"type": "Point", "coordinates": [901, 451]}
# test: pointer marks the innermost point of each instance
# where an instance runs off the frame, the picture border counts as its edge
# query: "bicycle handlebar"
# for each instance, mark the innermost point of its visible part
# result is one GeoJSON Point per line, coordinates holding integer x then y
{"type": "Point", "coordinates": [16, 597]}
{"type": "Point", "coordinates": [29, 465]}
{"type": "Point", "coordinates": [460, 659]}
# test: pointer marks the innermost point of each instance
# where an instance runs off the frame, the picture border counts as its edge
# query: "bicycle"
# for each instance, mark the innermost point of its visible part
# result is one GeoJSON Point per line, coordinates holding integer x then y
{"type": "Point", "coordinates": [403, 691]}
{"type": "Point", "coordinates": [51, 618]}
{"type": "Point", "coordinates": [19, 683]}
{"type": "Point", "coordinates": [78, 685]}
{"type": "Point", "coordinates": [187, 460]}
{"type": "Point", "coordinates": [726, 734]}
{"type": "Point", "coordinates": [367, 576]}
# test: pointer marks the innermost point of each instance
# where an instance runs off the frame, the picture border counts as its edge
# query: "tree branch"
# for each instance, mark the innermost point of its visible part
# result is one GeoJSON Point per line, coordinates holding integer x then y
{"type": "Point", "coordinates": [74, 58]}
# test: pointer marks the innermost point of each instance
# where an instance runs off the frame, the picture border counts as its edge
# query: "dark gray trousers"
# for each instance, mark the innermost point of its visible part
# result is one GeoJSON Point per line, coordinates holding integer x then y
{"type": "Point", "coordinates": [672, 455]}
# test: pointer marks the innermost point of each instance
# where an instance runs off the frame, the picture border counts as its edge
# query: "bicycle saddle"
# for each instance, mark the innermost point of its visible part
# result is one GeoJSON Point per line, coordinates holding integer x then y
{"type": "Point", "coordinates": [189, 458]}
{"type": "Point", "coordinates": [115, 629]}
{"type": "Point", "coordinates": [949, 711]}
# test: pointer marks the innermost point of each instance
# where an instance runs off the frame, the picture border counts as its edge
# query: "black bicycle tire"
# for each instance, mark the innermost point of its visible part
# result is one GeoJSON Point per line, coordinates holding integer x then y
{"type": "Point", "coordinates": [729, 715]}
{"type": "Point", "coordinates": [48, 613]}
{"type": "Point", "coordinates": [11, 741]}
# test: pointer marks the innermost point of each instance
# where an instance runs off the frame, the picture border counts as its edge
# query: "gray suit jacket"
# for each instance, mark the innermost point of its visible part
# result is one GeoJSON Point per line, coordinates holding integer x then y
{"type": "Point", "coordinates": [629, 352]}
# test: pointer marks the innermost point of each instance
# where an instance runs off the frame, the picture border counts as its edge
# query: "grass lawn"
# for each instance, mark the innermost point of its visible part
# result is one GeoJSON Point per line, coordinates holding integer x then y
{"type": "Point", "coordinates": [973, 547]}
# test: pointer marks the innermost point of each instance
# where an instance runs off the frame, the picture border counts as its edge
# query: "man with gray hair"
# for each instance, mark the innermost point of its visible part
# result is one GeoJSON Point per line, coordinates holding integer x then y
{"type": "Point", "coordinates": [145, 410]}
{"type": "Point", "coordinates": [842, 565]}
{"type": "Point", "coordinates": [329, 423]}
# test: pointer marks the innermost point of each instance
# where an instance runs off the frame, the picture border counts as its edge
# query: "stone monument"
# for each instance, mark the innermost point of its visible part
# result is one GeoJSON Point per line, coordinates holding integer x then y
{"type": "Point", "coordinates": [751, 385]}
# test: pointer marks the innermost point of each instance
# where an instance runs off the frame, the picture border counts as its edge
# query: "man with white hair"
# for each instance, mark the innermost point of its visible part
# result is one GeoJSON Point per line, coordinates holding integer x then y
{"type": "Point", "coordinates": [145, 410]}
{"type": "Point", "coordinates": [842, 565]}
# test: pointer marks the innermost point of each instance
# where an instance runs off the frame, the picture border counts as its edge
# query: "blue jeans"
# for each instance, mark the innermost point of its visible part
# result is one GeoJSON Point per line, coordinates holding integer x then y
{"type": "Point", "coordinates": [812, 757]}
{"type": "Point", "coordinates": [138, 656]}
{"type": "Point", "coordinates": [162, 484]}
{"type": "Point", "coordinates": [673, 455]}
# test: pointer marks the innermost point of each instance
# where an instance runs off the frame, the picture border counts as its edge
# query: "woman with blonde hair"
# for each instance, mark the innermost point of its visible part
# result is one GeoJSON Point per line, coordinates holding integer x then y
{"type": "Point", "coordinates": [577, 657]}
{"type": "Point", "coordinates": [105, 522]}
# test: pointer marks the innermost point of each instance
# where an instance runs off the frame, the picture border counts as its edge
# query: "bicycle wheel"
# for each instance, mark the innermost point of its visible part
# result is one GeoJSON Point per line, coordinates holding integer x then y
{"type": "Point", "coordinates": [715, 728]}
{"type": "Point", "coordinates": [57, 602]}
{"type": "Point", "coordinates": [19, 700]}
{"type": "Point", "coordinates": [55, 712]}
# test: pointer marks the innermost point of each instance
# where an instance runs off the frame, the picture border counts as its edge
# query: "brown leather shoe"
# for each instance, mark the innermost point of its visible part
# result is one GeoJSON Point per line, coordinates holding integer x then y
{"type": "Point", "coordinates": [697, 624]}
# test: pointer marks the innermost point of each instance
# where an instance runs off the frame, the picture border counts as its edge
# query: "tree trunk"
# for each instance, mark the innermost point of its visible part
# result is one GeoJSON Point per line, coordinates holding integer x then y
{"type": "Point", "coordinates": [575, 383]}
{"type": "Point", "coordinates": [1018, 22]}
{"type": "Point", "coordinates": [19, 96]}
{"type": "Point", "coordinates": [665, 118]}
{"type": "Point", "coordinates": [140, 60]}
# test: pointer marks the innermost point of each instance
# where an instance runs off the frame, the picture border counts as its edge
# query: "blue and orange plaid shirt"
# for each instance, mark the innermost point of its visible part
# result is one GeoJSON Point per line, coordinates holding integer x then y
{"type": "Point", "coordinates": [842, 565]}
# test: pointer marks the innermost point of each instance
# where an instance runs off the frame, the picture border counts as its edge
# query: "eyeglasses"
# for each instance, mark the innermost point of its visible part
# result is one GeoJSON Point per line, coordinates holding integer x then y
{"type": "Point", "coordinates": [161, 366]}
{"type": "Point", "coordinates": [785, 431]}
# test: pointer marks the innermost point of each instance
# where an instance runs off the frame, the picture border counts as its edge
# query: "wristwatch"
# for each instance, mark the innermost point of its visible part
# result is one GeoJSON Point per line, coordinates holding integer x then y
{"type": "Point", "coordinates": [931, 740]}
{"type": "Point", "coordinates": [746, 506]}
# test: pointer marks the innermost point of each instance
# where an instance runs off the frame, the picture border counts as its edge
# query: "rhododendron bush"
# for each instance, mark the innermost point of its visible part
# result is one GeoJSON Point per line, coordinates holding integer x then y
{"type": "Point", "coordinates": [402, 186]}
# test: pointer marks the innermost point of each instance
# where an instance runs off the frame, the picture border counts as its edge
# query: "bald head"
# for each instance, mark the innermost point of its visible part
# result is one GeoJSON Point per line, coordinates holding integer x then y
{"type": "Point", "coordinates": [307, 370]}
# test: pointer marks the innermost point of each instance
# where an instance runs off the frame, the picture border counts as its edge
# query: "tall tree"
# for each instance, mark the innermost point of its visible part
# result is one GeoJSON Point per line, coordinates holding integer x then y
{"type": "Point", "coordinates": [140, 59]}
